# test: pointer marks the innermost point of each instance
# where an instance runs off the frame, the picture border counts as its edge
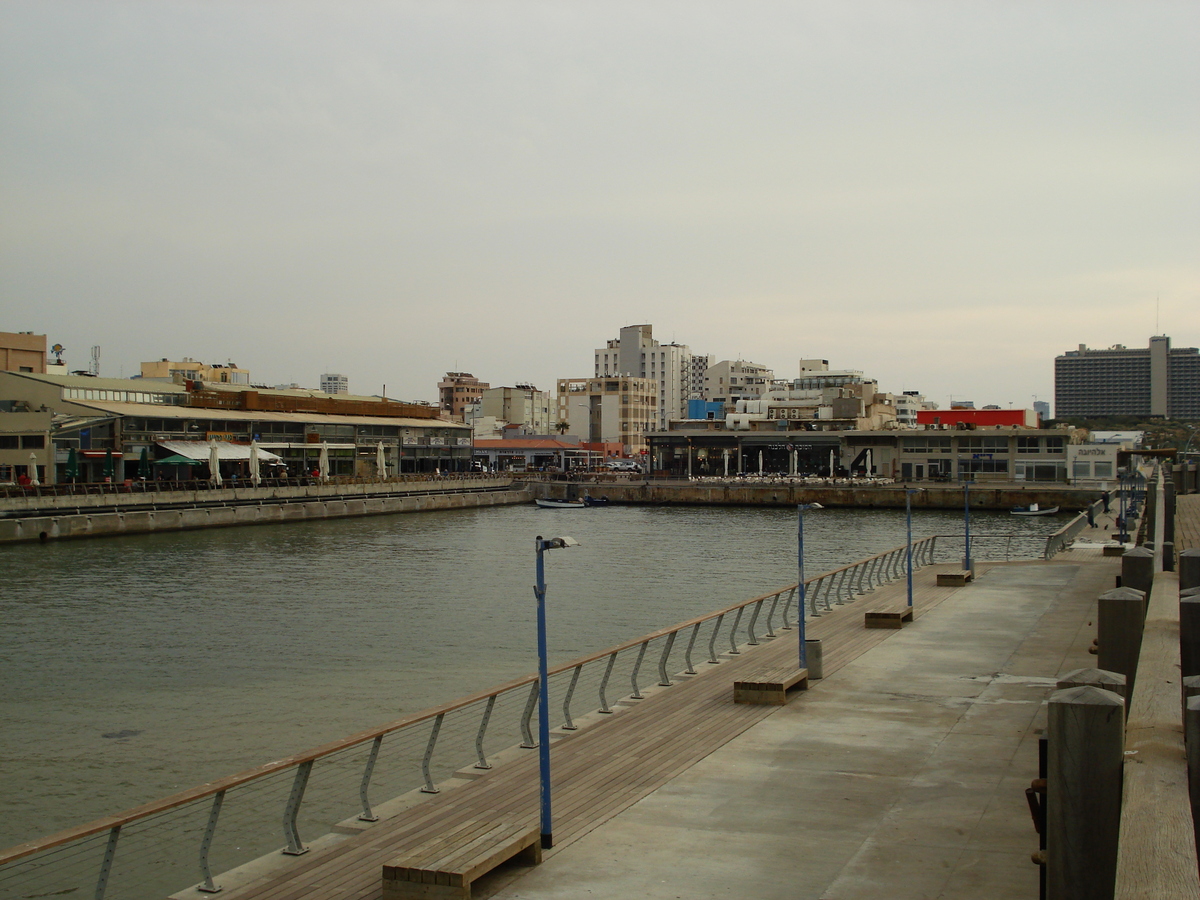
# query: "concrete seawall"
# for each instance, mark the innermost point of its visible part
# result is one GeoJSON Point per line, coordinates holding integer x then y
{"type": "Point", "coordinates": [889, 496]}
{"type": "Point", "coordinates": [107, 523]}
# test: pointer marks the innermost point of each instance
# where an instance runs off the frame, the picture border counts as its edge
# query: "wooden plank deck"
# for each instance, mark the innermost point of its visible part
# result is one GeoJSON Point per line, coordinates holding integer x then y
{"type": "Point", "coordinates": [1187, 522]}
{"type": "Point", "coordinates": [601, 769]}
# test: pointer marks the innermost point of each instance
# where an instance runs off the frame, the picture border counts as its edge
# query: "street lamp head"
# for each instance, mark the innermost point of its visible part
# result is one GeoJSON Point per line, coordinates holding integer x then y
{"type": "Point", "coordinates": [556, 543]}
{"type": "Point", "coordinates": [814, 506]}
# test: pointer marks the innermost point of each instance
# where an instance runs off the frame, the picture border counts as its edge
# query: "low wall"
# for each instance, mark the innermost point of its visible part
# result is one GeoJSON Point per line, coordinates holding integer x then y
{"type": "Point", "coordinates": [115, 522]}
{"type": "Point", "coordinates": [940, 496]}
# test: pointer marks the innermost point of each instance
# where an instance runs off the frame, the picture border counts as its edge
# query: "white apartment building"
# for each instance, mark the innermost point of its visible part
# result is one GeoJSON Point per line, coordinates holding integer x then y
{"type": "Point", "coordinates": [522, 404]}
{"type": "Point", "coordinates": [732, 380]}
{"type": "Point", "coordinates": [636, 353]}
{"type": "Point", "coordinates": [335, 384]}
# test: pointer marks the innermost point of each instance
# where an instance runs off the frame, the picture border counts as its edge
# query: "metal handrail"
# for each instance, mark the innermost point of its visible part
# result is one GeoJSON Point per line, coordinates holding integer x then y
{"type": "Point", "coordinates": [851, 580]}
{"type": "Point", "coordinates": [1058, 541]}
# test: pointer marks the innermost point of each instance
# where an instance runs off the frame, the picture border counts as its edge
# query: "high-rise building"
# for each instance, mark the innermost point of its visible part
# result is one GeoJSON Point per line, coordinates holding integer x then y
{"type": "Point", "coordinates": [636, 353]}
{"type": "Point", "coordinates": [617, 409]}
{"type": "Point", "coordinates": [457, 391]}
{"type": "Point", "coordinates": [335, 384]}
{"type": "Point", "coordinates": [1042, 408]}
{"type": "Point", "coordinates": [1155, 381]}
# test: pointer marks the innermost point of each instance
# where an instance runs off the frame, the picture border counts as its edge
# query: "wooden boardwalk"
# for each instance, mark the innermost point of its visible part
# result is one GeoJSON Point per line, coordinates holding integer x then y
{"type": "Point", "coordinates": [600, 770]}
{"type": "Point", "coordinates": [1187, 522]}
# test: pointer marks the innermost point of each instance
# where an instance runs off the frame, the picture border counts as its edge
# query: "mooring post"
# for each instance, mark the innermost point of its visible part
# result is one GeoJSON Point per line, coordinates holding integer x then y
{"type": "Point", "coordinates": [816, 657]}
{"type": "Point", "coordinates": [1100, 678]}
{"type": "Point", "coordinates": [1086, 728]}
{"type": "Point", "coordinates": [1189, 635]}
{"type": "Point", "coordinates": [1120, 618]}
{"type": "Point", "coordinates": [1189, 569]}
{"type": "Point", "coordinates": [1191, 734]}
{"type": "Point", "coordinates": [1137, 569]}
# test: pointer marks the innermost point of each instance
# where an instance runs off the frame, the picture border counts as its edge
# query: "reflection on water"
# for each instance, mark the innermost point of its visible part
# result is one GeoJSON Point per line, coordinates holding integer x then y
{"type": "Point", "coordinates": [136, 667]}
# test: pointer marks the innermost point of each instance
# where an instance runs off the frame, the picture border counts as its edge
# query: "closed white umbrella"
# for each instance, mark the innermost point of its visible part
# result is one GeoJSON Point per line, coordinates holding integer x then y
{"type": "Point", "coordinates": [255, 478]}
{"type": "Point", "coordinates": [868, 463]}
{"type": "Point", "coordinates": [380, 460]}
{"type": "Point", "coordinates": [214, 462]}
{"type": "Point", "coordinates": [759, 462]}
{"type": "Point", "coordinates": [725, 454]}
{"type": "Point", "coordinates": [33, 479]}
{"type": "Point", "coordinates": [830, 463]}
{"type": "Point", "coordinates": [323, 462]}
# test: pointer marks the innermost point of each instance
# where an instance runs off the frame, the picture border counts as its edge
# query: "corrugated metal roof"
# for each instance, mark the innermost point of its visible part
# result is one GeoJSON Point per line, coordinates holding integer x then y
{"type": "Point", "coordinates": [167, 411]}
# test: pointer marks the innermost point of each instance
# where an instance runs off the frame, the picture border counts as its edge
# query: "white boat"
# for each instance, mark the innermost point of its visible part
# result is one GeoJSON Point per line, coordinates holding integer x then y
{"type": "Point", "coordinates": [1033, 510]}
{"type": "Point", "coordinates": [559, 504]}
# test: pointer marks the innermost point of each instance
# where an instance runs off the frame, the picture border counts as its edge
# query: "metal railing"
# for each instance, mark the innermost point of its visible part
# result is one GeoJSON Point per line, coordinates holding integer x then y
{"type": "Point", "coordinates": [155, 849]}
{"type": "Point", "coordinates": [1058, 541]}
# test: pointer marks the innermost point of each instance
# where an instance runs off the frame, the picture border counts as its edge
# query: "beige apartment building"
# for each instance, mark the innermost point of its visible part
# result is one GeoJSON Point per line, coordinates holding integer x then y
{"type": "Point", "coordinates": [672, 366]}
{"type": "Point", "coordinates": [459, 391]}
{"type": "Point", "coordinates": [22, 351]}
{"type": "Point", "coordinates": [188, 369]}
{"type": "Point", "coordinates": [732, 380]}
{"type": "Point", "coordinates": [615, 410]}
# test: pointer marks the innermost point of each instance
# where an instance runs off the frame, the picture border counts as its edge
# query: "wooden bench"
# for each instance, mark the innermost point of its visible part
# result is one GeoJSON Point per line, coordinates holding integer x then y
{"type": "Point", "coordinates": [770, 686]}
{"type": "Point", "coordinates": [955, 579]}
{"type": "Point", "coordinates": [444, 865]}
{"type": "Point", "coordinates": [888, 618]}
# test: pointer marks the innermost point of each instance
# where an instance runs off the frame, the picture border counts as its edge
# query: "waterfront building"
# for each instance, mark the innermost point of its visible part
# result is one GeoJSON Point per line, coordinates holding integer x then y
{"type": "Point", "coordinates": [522, 404]}
{"type": "Point", "coordinates": [706, 448]}
{"type": "Point", "coordinates": [729, 381]}
{"type": "Point", "coordinates": [636, 353]}
{"type": "Point", "coordinates": [1156, 381]}
{"type": "Point", "coordinates": [189, 369]}
{"type": "Point", "coordinates": [335, 384]}
{"type": "Point", "coordinates": [97, 417]}
{"type": "Point", "coordinates": [963, 453]}
{"type": "Point", "coordinates": [516, 452]}
{"type": "Point", "coordinates": [615, 410]}
{"type": "Point", "coordinates": [22, 351]}
{"type": "Point", "coordinates": [457, 391]}
{"type": "Point", "coordinates": [956, 417]}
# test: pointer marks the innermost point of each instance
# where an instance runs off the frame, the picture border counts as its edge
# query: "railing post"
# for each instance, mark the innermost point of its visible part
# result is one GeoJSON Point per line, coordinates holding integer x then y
{"type": "Point", "coordinates": [367, 815]}
{"type": "Point", "coordinates": [712, 642]}
{"type": "Point", "coordinates": [295, 847]}
{"type": "Point", "coordinates": [612, 659]}
{"type": "Point", "coordinates": [663, 679]}
{"type": "Point", "coordinates": [750, 628]}
{"type": "Point", "coordinates": [110, 851]}
{"type": "Point", "coordinates": [771, 614]}
{"type": "Point", "coordinates": [690, 670]}
{"type": "Point", "coordinates": [530, 704]}
{"type": "Point", "coordinates": [733, 650]}
{"type": "Point", "coordinates": [787, 606]}
{"type": "Point", "coordinates": [637, 694]}
{"type": "Point", "coordinates": [430, 788]}
{"type": "Point", "coordinates": [483, 724]}
{"type": "Point", "coordinates": [207, 885]}
{"type": "Point", "coordinates": [571, 726]}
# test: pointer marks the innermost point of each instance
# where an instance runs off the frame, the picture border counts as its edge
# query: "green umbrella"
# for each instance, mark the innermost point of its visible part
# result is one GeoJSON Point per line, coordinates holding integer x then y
{"type": "Point", "coordinates": [72, 470]}
{"type": "Point", "coordinates": [176, 460]}
{"type": "Point", "coordinates": [110, 468]}
{"type": "Point", "coordinates": [144, 463]}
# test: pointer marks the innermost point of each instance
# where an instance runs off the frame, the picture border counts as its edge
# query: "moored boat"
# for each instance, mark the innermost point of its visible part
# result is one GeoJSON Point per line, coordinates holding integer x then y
{"type": "Point", "coordinates": [559, 504]}
{"type": "Point", "coordinates": [1033, 510]}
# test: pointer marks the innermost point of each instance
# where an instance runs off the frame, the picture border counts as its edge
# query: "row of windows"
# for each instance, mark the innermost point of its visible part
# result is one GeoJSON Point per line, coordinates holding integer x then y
{"type": "Point", "coordinates": [22, 441]}
{"type": "Point", "coordinates": [122, 396]}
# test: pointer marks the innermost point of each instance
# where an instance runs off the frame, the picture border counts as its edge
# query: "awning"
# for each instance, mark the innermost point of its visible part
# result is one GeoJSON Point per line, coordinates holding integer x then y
{"type": "Point", "coordinates": [199, 451]}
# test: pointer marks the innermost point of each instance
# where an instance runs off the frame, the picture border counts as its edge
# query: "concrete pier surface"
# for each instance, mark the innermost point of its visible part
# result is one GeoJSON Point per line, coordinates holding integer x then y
{"type": "Point", "coordinates": [901, 774]}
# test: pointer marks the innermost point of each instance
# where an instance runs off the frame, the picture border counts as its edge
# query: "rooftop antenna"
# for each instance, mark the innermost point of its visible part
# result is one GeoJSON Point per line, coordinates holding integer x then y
{"type": "Point", "coordinates": [94, 368]}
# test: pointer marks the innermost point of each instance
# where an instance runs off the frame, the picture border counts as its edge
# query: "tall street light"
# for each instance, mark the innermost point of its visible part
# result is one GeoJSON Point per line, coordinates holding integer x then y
{"type": "Point", "coordinates": [544, 544]}
{"type": "Point", "coordinates": [908, 492]}
{"type": "Point", "coordinates": [800, 589]}
{"type": "Point", "coordinates": [967, 526]}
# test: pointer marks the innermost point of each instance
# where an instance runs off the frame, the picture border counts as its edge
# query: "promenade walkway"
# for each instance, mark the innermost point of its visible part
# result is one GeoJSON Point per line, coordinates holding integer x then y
{"type": "Point", "coordinates": [900, 774]}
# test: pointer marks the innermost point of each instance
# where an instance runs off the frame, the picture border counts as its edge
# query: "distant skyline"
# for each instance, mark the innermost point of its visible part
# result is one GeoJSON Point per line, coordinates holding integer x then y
{"type": "Point", "coordinates": [943, 195]}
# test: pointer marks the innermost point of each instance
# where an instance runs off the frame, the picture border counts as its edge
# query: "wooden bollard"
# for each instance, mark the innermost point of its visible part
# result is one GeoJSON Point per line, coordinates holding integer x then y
{"type": "Point", "coordinates": [1189, 569]}
{"type": "Point", "coordinates": [1101, 678]}
{"type": "Point", "coordinates": [1086, 730]}
{"type": "Point", "coordinates": [1189, 635]}
{"type": "Point", "coordinates": [1191, 688]}
{"type": "Point", "coordinates": [1120, 618]}
{"type": "Point", "coordinates": [1137, 569]}
{"type": "Point", "coordinates": [1191, 734]}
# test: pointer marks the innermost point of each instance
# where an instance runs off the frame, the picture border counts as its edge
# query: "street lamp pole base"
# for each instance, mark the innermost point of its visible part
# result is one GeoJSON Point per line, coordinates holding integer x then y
{"type": "Point", "coordinates": [547, 841]}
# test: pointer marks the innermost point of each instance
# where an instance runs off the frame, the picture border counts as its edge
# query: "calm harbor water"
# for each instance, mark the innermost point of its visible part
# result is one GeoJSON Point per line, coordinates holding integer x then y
{"type": "Point", "coordinates": [136, 667]}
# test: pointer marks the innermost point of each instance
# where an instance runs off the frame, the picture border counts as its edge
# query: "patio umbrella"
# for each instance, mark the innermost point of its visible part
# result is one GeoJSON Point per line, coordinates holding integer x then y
{"type": "Point", "coordinates": [868, 463]}
{"type": "Point", "coordinates": [72, 470]}
{"type": "Point", "coordinates": [831, 463]}
{"type": "Point", "coordinates": [255, 478]}
{"type": "Point", "coordinates": [110, 468]}
{"type": "Point", "coordinates": [33, 479]}
{"type": "Point", "coordinates": [214, 463]}
{"type": "Point", "coordinates": [759, 462]}
{"type": "Point", "coordinates": [380, 460]}
{"type": "Point", "coordinates": [323, 462]}
{"type": "Point", "coordinates": [144, 463]}
{"type": "Point", "coordinates": [725, 454]}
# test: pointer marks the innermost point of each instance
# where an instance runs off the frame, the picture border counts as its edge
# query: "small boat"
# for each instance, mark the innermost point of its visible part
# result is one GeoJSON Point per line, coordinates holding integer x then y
{"type": "Point", "coordinates": [1033, 510]}
{"type": "Point", "coordinates": [595, 501]}
{"type": "Point", "coordinates": [559, 504]}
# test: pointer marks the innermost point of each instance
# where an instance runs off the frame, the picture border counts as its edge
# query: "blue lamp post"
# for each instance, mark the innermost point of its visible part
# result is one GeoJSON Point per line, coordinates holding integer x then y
{"type": "Point", "coordinates": [1123, 534]}
{"type": "Point", "coordinates": [967, 526]}
{"type": "Point", "coordinates": [908, 492]}
{"type": "Point", "coordinates": [544, 544]}
{"type": "Point", "coordinates": [800, 588]}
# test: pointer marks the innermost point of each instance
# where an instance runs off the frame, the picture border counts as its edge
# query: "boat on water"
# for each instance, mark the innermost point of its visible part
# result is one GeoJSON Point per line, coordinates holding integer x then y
{"type": "Point", "coordinates": [595, 501]}
{"type": "Point", "coordinates": [1033, 510]}
{"type": "Point", "coordinates": [560, 504]}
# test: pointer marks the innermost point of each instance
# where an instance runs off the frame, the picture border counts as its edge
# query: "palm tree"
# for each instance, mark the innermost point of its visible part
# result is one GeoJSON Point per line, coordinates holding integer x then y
{"type": "Point", "coordinates": [562, 426]}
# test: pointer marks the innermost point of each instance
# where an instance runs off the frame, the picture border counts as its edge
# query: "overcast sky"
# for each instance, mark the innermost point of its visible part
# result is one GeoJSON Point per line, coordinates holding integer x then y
{"type": "Point", "coordinates": [945, 195]}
